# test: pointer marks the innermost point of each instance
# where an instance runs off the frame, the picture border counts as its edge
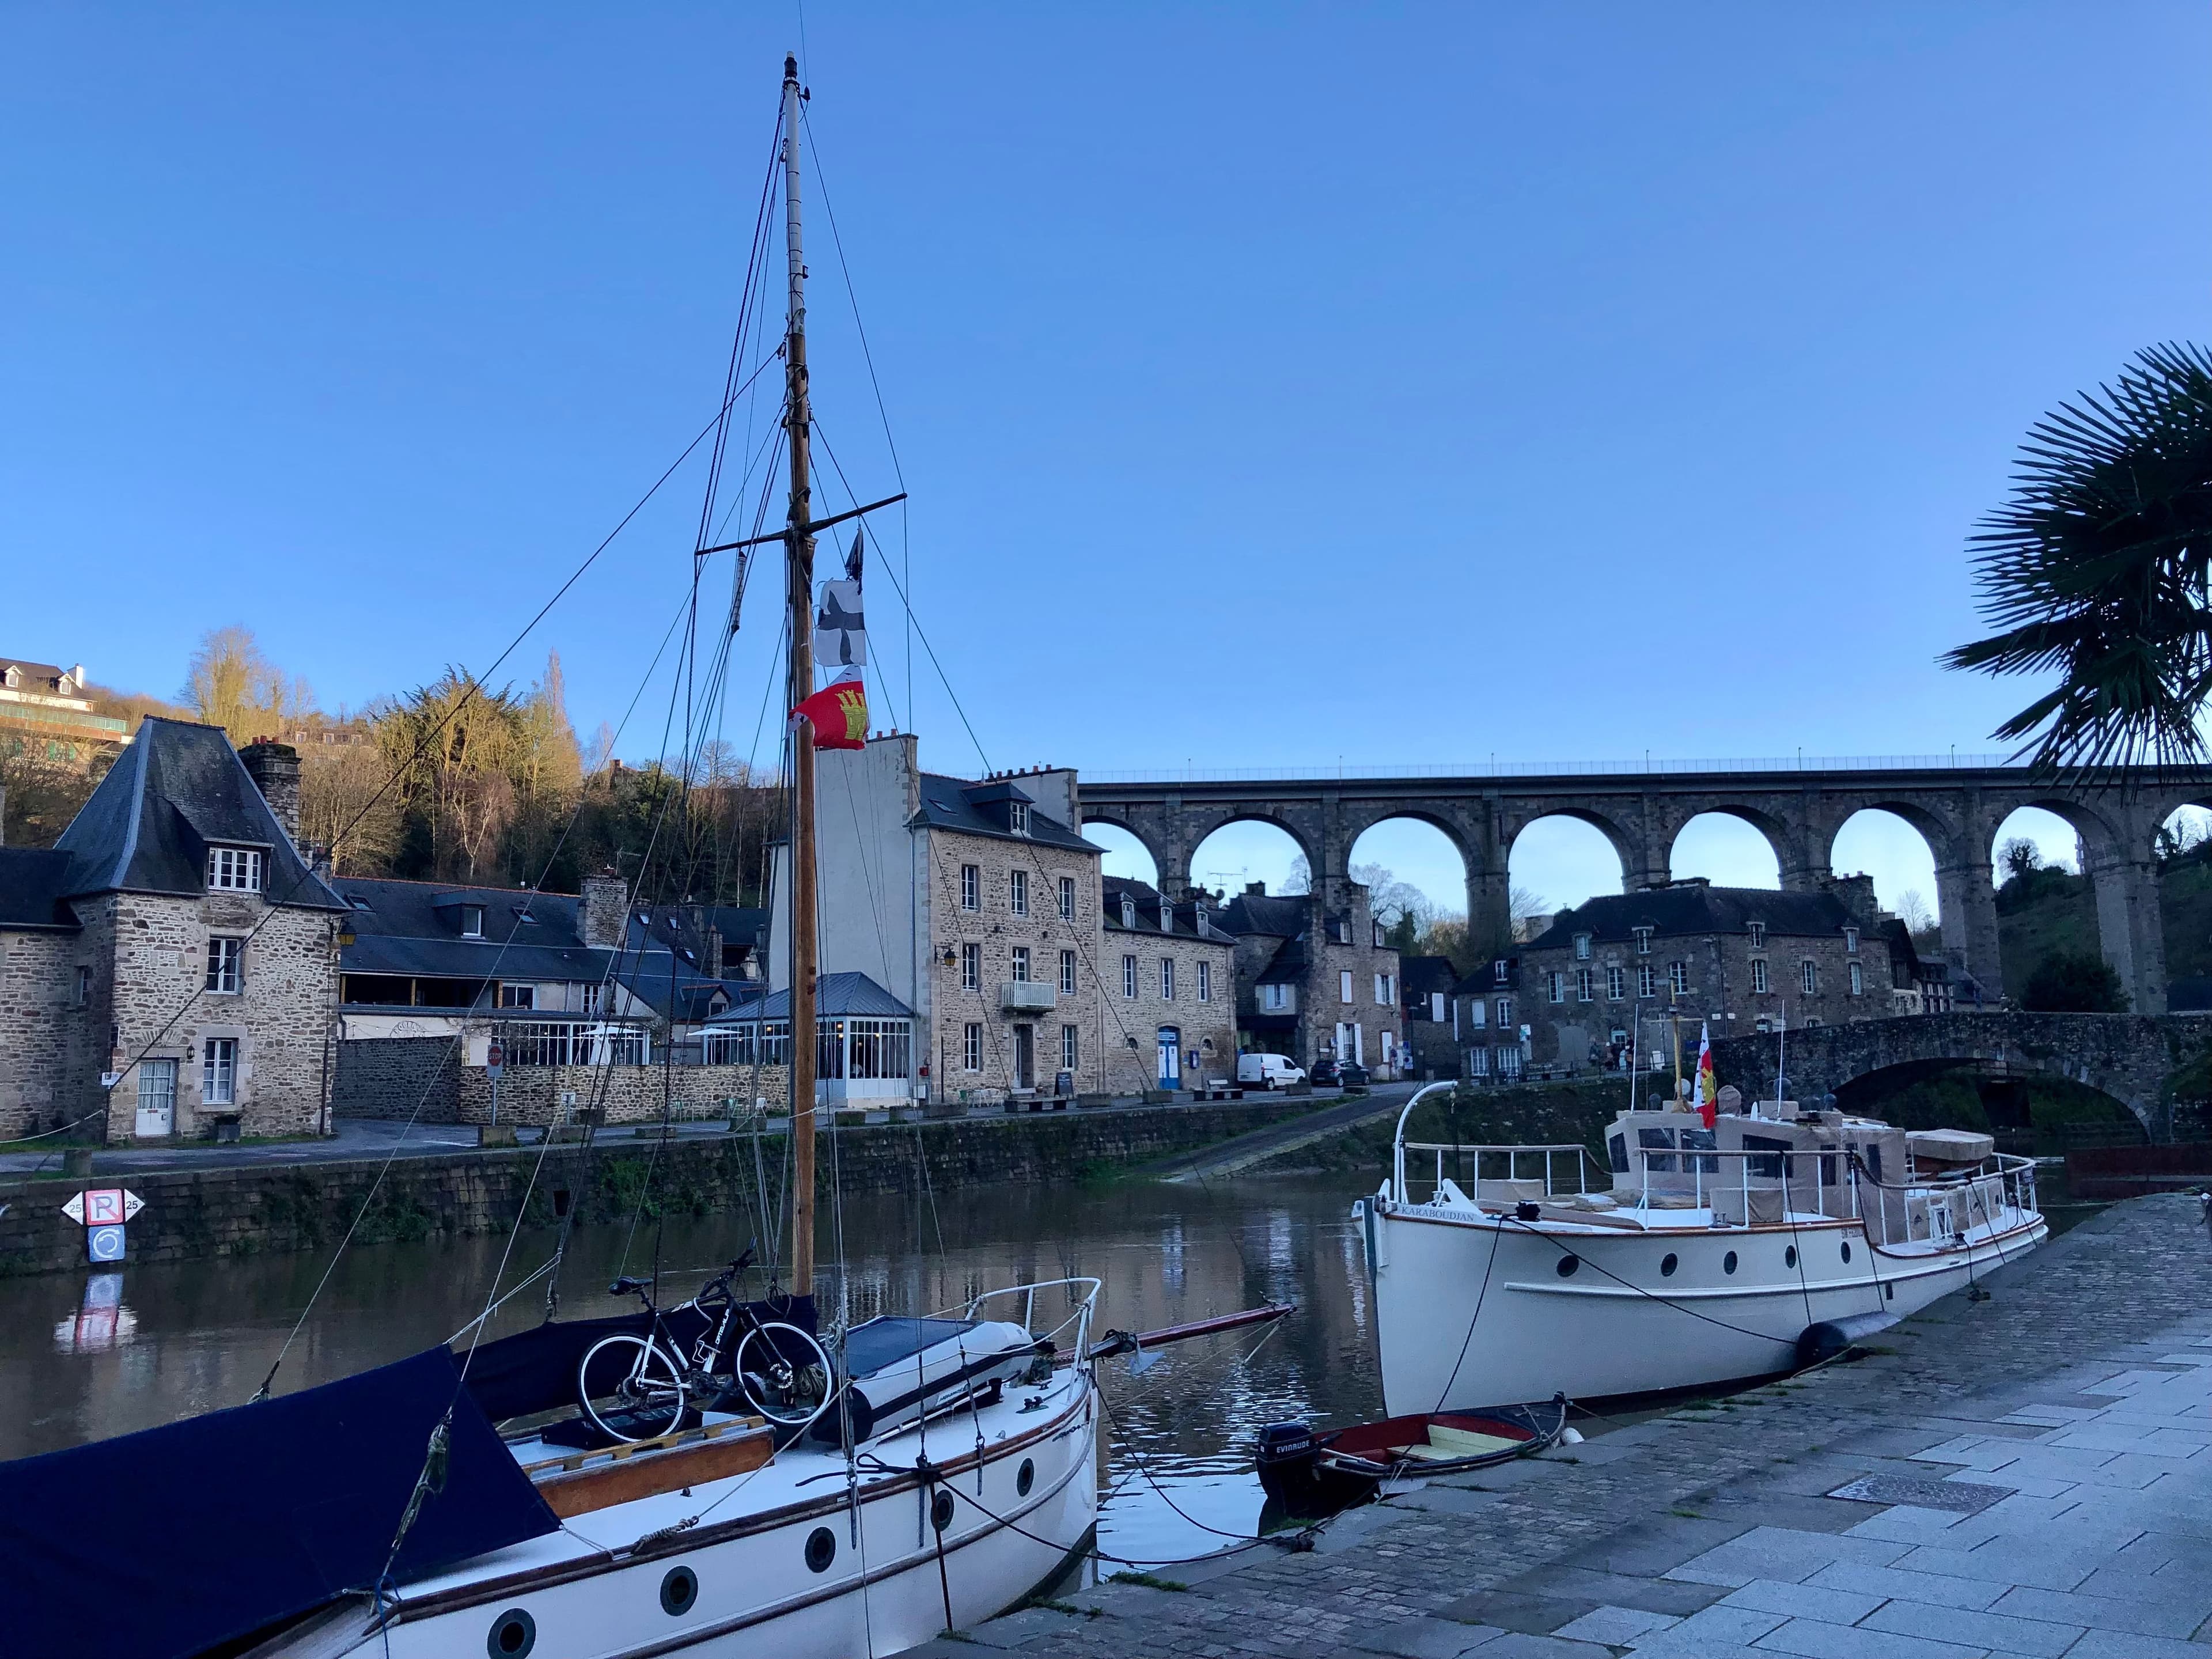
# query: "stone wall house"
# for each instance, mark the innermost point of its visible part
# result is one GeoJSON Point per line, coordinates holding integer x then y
{"type": "Point", "coordinates": [1426, 985]}
{"type": "Point", "coordinates": [170, 965]}
{"type": "Point", "coordinates": [1314, 976]}
{"type": "Point", "coordinates": [560, 981]}
{"type": "Point", "coordinates": [1486, 1021]}
{"type": "Point", "coordinates": [974, 903]}
{"type": "Point", "coordinates": [1732, 959]}
{"type": "Point", "coordinates": [1170, 1002]}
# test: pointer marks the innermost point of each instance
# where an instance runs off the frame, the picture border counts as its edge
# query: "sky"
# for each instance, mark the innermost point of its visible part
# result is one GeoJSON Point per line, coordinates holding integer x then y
{"type": "Point", "coordinates": [1275, 386]}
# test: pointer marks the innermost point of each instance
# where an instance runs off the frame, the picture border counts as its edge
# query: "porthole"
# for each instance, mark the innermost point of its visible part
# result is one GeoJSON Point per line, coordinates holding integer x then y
{"type": "Point", "coordinates": [1789, 1256]}
{"type": "Point", "coordinates": [821, 1549]}
{"type": "Point", "coordinates": [1567, 1265]}
{"type": "Point", "coordinates": [1728, 1263]}
{"type": "Point", "coordinates": [514, 1633]}
{"type": "Point", "coordinates": [940, 1511]}
{"type": "Point", "coordinates": [1026, 1477]}
{"type": "Point", "coordinates": [1668, 1263]}
{"type": "Point", "coordinates": [679, 1591]}
{"type": "Point", "coordinates": [1847, 1251]}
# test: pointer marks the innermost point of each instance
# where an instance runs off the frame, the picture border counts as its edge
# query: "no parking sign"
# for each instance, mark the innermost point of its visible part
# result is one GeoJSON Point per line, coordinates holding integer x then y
{"type": "Point", "coordinates": [102, 1212]}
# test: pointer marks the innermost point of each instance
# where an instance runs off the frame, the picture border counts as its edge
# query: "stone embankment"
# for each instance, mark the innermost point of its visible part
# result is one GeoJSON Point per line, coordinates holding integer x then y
{"type": "Point", "coordinates": [246, 1208]}
{"type": "Point", "coordinates": [2027, 1475]}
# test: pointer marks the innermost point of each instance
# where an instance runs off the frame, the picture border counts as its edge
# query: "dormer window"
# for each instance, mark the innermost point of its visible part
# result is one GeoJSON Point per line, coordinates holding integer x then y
{"type": "Point", "coordinates": [1380, 940]}
{"type": "Point", "coordinates": [1851, 941]}
{"type": "Point", "coordinates": [1497, 971]}
{"type": "Point", "coordinates": [357, 902]}
{"type": "Point", "coordinates": [1582, 947]}
{"type": "Point", "coordinates": [14, 676]}
{"type": "Point", "coordinates": [1643, 941]}
{"type": "Point", "coordinates": [1198, 920]}
{"type": "Point", "coordinates": [473, 921]}
{"type": "Point", "coordinates": [1128, 911]}
{"type": "Point", "coordinates": [233, 870]}
{"type": "Point", "coordinates": [1017, 816]}
{"type": "Point", "coordinates": [1167, 917]}
{"type": "Point", "coordinates": [1759, 936]}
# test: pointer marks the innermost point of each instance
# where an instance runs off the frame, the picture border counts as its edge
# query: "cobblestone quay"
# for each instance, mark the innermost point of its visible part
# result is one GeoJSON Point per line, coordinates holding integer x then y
{"type": "Point", "coordinates": [2027, 1475]}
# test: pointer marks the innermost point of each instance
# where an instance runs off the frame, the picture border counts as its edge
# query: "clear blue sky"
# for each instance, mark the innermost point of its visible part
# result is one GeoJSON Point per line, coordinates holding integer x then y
{"type": "Point", "coordinates": [1275, 384]}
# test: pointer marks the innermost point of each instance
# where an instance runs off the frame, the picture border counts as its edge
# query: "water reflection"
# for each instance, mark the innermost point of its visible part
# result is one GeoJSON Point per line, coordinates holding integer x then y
{"type": "Point", "coordinates": [1176, 1459]}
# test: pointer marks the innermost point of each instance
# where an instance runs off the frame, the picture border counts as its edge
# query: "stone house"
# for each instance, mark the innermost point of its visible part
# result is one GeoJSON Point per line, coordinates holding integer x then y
{"type": "Point", "coordinates": [1486, 1023]}
{"type": "Point", "coordinates": [1170, 1002]}
{"type": "Point", "coordinates": [1425, 989]}
{"type": "Point", "coordinates": [170, 967]}
{"type": "Point", "coordinates": [1729, 958]}
{"type": "Point", "coordinates": [975, 904]}
{"type": "Point", "coordinates": [1315, 976]}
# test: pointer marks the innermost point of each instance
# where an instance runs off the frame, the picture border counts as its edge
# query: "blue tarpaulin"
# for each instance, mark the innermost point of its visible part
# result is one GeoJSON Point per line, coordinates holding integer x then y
{"type": "Point", "coordinates": [177, 1540]}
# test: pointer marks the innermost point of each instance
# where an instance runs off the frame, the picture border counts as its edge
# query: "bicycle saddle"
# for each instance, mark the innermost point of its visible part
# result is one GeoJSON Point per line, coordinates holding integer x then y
{"type": "Point", "coordinates": [625, 1286]}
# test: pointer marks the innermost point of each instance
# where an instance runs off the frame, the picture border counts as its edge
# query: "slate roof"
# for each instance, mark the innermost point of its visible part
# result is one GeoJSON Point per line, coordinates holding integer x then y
{"type": "Point", "coordinates": [1287, 966]}
{"type": "Point", "coordinates": [671, 927]}
{"type": "Point", "coordinates": [1183, 918]}
{"type": "Point", "coordinates": [840, 996]}
{"type": "Point", "coordinates": [954, 804]}
{"type": "Point", "coordinates": [1421, 977]}
{"type": "Point", "coordinates": [178, 788]}
{"type": "Point", "coordinates": [1483, 980]}
{"type": "Point", "coordinates": [414, 928]}
{"type": "Point", "coordinates": [1694, 907]}
{"type": "Point", "coordinates": [42, 677]}
{"type": "Point", "coordinates": [1285, 915]}
{"type": "Point", "coordinates": [33, 883]}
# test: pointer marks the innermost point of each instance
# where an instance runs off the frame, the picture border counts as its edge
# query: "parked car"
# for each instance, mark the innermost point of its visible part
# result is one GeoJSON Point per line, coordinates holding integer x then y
{"type": "Point", "coordinates": [1266, 1072]}
{"type": "Point", "coordinates": [1353, 1075]}
{"type": "Point", "coordinates": [1324, 1072]}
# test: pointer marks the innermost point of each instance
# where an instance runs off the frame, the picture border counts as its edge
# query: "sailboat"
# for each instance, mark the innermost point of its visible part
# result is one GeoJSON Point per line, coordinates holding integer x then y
{"type": "Point", "coordinates": [948, 1470]}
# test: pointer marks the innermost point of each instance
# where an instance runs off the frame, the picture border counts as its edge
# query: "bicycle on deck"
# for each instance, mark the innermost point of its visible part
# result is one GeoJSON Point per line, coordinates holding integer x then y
{"type": "Point", "coordinates": [640, 1385]}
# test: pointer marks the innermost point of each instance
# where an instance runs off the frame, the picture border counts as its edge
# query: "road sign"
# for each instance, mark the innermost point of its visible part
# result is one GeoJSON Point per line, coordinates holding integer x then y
{"type": "Point", "coordinates": [495, 1059]}
{"type": "Point", "coordinates": [104, 1243]}
{"type": "Point", "coordinates": [103, 1206]}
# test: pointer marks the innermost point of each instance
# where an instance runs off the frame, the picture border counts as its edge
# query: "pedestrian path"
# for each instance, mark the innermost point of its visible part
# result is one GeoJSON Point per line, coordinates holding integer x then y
{"type": "Point", "coordinates": [2027, 1475]}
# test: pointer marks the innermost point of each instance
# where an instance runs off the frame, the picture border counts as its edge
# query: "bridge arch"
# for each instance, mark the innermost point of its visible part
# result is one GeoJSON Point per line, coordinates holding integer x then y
{"type": "Point", "coordinates": [1772, 832]}
{"type": "Point", "coordinates": [1472, 889]}
{"type": "Point", "coordinates": [1148, 837]}
{"type": "Point", "coordinates": [1126, 843]}
{"type": "Point", "coordinates": [1203, 827]}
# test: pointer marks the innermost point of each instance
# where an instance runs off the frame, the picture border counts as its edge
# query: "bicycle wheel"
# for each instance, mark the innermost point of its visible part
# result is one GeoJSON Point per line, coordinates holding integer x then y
{"type": "Point", "coordinates": [784, 1373]}
{"type": "Point", "coordinates": [630, 1388]}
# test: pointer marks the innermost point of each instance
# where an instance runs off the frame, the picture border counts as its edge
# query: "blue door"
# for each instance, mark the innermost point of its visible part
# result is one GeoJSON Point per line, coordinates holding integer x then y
{"type": "Point", "coordinates": [1170, 1056]}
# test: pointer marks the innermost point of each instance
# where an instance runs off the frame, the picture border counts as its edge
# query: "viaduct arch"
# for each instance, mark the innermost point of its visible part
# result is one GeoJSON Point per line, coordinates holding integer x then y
{"type": "Point", "coordinates": [1800, 811]}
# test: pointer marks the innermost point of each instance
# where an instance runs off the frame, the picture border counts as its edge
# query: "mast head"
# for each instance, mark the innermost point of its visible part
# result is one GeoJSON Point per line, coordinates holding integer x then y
{"type": "Point", "coordinates": [790, 67]}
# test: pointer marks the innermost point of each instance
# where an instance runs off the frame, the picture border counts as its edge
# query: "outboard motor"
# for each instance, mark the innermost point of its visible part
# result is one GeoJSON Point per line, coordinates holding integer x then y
{"type": "Point", "coordinates": [1287, 1456]}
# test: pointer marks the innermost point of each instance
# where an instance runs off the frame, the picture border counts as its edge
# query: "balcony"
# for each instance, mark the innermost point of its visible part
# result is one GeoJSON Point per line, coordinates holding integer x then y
{"type": "Point", "coordinates": [1027, 997]}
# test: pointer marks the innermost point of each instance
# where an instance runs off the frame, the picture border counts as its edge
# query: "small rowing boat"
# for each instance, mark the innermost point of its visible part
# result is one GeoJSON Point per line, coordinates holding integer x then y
{"type": "Point", "coordinates": [1311, 1474]}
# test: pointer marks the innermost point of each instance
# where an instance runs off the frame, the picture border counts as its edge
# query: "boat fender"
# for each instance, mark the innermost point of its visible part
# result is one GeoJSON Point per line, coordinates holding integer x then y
{"type": "Point", "coordinates": [1570, 1437]}
{"type": "Point", "coordinates": [1830, 1337]}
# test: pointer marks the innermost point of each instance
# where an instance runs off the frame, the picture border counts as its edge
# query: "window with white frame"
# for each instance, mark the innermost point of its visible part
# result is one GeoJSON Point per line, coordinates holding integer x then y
{"type": "Point", "coordinates": [1811, 971]}
{"type": "Point", "coordinates": [1020, 968]}
{"type": "Point", "coordinates": [1017, 816]}
{"type": "Point", "coordinates": [1344, 986]}
{"type": "Point", "coordinates": [591, 1003]}
{"type": "Point", "coordinates": [1340, 930]}
{"type": "Point", "coordinates": [1478, 1013]}
{"type": "Point", "coordinates": [1643, 941]}
{"type": "Point", "coordinates": [1499, 971]}
{"type": "Point", "coordinates": [226, 966]}
{"type": "Point", "coordinates": [1759, 936]}
{"type": "Point", "coordinates": [1276, 998]}
{"type": "Point", "coordinates": [1678, 978]}
{"type": "Point", "coordinates": [1067, 898]}
{"type": "Point", "coordinates": [1382, 990]}
{"type": "Point", "coordinates": [1504, 1013]}
{"type": "Point", "coordinates": [1851, 941]}
{"type": "Point", "coordinates": [1858, 979]}
{"type": "Point", "coordinates": [233, 870]}
{"type": "Point", "coordinates": [1067, 972]}
{"type": "Point", "coordinates": [1582, 947]}
{"type": "Point", "coordinates": [1436, 1007]}
{"type": "Point", "coordinates": [1555, 984]}
{"type": "Point", "coordinates": [971, 887]}
{"type": "Point", "coordinates": [1128, 911]}
{"type": "Point", "coordinates": [1758, 986]}
{"type": "Point", "coordinates": [1018, 891]}
{"type": "Point", "coordinates": [1069, 1047]}
{"type": "Point", "coordinates": [518, 996]}
{"type": "Point", "coordinates": [1616, 983]}
{"type": "Point", "coordinates": [1585, 985]}
{"type": "Point", "coordinates": [472, 921]}
{"type": "Point", "coordinates": [1198, 920]}
{"type": "Point", "coordinates": [1382, 939]}
{"type": "Point", "coordinates": [1129, 976]}
{"type": "Point", "coordinates": [1205, 982]}
{"type": "Point", "coordinates": [1647, 981]}
{"type": "Point", "coordinates": [219, 1072]}
{"type": "Point", "coordinates": [1167, 979]}
{"type": "Point", "coordinates": [1167, 917]}
{"type": "Point", "coordinates": [971, 1047]}
{"type": "Point", "coordinates": [1478, 1060]}
{"type": "Point", "coordinates": [1508, 1062]}
{"type": "Point", "coordinates": [84, 987]}
{"type": "Point", "coordinates": [971, 967]}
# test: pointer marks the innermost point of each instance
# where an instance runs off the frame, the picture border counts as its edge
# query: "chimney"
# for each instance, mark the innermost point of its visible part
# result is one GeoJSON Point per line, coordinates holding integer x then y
{"type": "Point", "coordinates": [605, 904]}
{"type": "Point", "coordinates": [1255, 890]}
{"type": "Point", "coordinates": [76, 673]}
{"type": "Point", "coordinates": [275, 769]}
{"type": "Point", "coordinates": [712, 966]}
{"type": "Point", "coordinates": [1856, 893]}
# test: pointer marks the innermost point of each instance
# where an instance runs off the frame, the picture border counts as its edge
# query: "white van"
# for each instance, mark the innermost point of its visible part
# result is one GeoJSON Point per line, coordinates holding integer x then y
{"type": "Point", "coordinates": [1266, 1070]}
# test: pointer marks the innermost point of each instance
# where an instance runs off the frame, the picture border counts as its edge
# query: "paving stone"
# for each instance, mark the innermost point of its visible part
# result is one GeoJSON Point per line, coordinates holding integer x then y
{"type": "Point", "coordinates": [1908, 1523]}
{"type": "Point", "coordinates": [1427, 1639]}
{"type": "Point", "coordinates": [2096, 1612]}
{"type": "Point", "coordinates": [1925, 1587]}
{"type": "Point", "coordinates": [1701, 1633]}
{"type": "Point", "coordinates": [1662, 1596]}
{"type": "Point", "coordinates": [1452, 1500]}
{"type": "Point", "coordinates": [1836, 1607]}
{"type": "Point", "coordinates": [1648, 1549]}
{"type": "Point", "coordinates": [1797, 1514]}
{"type": "Point", "coordinates": [1616, 1626]}
{"type": "Point", "coordinates": [2033, 1638]}
{"type": "Point", "coordinates": [1778, 1552]}
{"type": "Point", "coordinates": [2002, 1566]}
{"type": "Point", "coordinates": [1516, 1644]}
{"type": "Point", "coordinates": [2116, 1645]}
{"type": "Point", "coordinates": [1816, 1640]}
{"type": "Point", "coordinates": [1534, 1615]}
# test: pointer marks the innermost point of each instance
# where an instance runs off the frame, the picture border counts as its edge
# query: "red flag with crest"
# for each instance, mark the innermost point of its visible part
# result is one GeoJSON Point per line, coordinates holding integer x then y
{"type": "Point", "coordinates": [838, 716]}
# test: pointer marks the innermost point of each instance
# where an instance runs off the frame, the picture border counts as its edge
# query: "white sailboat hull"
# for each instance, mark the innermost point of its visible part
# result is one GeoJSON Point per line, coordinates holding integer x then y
{"type": "Point", "coordinates": [1472, 1307]}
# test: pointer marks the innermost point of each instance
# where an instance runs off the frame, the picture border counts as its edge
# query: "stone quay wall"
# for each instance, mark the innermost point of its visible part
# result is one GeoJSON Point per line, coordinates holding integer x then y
{"type": "Point", "coordinates": [389, 1077]}
{"type": "Point", "coordinates": [251, 1209]}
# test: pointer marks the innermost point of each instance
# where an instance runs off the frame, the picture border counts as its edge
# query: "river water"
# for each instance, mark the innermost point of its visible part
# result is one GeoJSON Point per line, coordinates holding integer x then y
{"type": "Point", "coordinates": [88, 1356]}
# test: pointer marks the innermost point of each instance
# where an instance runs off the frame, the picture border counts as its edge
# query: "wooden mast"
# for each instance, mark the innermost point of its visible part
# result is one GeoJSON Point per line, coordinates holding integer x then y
{"type": "Point", "coordinates": [798, 562]}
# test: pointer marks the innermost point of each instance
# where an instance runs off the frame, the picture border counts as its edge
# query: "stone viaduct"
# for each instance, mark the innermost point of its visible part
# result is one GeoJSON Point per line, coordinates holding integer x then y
{"type": "Point", "coordinates": [2128, 1056]}
{"type": "Point", "coordinates": [1958, 809]}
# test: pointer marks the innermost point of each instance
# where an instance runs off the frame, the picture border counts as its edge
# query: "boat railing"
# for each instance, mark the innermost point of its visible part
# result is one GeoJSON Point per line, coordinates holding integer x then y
{"type": "Point", "coordinates": [1560, 1168]}
{"type": "Point", "coordinates": [1946, 1208]}
{"type": "Point", "coordinates": [1082, 1294]}
{"type": "Point", "coordinates": [1770, 1185]}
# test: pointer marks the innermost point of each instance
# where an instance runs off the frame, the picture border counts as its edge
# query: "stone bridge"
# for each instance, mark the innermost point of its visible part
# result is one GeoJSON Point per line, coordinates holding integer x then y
{"type": "Point", "coordinates": [2127, 1056]}
{"type": "Point", "coordinates": [1800, 809]}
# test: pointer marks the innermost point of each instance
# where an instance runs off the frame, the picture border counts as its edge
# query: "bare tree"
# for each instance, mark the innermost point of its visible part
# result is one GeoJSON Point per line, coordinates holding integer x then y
{"type": "Point", "coordinates": [230, 684]}
{"type": "Point", "coordinates": [1912, 910]}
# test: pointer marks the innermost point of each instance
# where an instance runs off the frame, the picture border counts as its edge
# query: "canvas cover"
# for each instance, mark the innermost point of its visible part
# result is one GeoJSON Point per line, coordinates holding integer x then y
{"type": "Point", "coordinates": [174, 1541]}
